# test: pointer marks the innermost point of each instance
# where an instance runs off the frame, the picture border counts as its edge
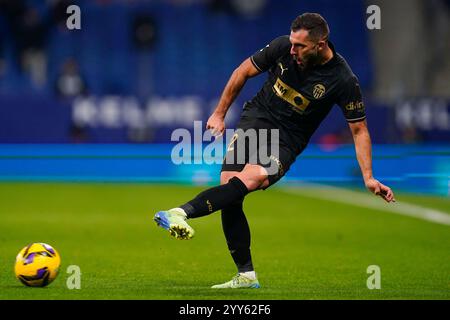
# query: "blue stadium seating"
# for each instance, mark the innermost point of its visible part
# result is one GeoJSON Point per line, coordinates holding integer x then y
{"type": "Point", "coordinates": [196, 48]}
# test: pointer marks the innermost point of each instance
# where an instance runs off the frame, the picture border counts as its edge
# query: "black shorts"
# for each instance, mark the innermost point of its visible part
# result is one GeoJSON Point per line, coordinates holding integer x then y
{"type": "Point", "coordinates": [255, 142]}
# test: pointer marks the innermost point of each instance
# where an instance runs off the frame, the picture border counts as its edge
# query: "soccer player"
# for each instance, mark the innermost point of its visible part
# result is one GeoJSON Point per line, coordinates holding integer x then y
{"type": "Point", "coordinates": [306, 77]}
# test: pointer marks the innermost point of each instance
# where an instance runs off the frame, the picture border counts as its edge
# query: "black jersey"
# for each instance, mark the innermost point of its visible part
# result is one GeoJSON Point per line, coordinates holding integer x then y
{"type": "Point", "coordinates": [296, 99]}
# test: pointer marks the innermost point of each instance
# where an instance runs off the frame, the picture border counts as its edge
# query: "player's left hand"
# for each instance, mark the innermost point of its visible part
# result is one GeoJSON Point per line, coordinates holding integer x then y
{"type": "Point", "coordinates": [380, 189]}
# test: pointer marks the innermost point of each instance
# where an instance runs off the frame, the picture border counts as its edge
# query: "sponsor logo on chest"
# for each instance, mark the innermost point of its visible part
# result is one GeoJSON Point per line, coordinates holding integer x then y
{"type": "Point", "coordinates": [290, 95]}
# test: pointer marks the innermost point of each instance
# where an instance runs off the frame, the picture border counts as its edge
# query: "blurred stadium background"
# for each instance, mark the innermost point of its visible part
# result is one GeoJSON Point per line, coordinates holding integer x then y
{"type": "Point", "coordinates": [99, 104]}
{"type": "Point", "coordinates": [139, 69]}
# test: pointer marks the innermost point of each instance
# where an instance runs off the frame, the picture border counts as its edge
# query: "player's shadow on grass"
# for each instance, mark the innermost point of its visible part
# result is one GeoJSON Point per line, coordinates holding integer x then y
{"type": "Point", "coordinates": [202, 290]}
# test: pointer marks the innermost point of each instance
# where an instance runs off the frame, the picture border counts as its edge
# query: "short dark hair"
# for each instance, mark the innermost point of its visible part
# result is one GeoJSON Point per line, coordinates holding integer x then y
{"type": "Point", "coordinates": [314, 23]}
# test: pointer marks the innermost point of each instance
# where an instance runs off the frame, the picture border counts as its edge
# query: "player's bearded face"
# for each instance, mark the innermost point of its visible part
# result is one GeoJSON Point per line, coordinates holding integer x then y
{"type": "Point", "coordinates": [304, 51]}
{"type": "Point", "coordinates": [310, 57]}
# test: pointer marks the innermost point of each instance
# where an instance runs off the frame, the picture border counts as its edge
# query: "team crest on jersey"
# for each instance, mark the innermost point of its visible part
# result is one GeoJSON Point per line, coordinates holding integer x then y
{"type": "Point", "coordinates": [318, 91]}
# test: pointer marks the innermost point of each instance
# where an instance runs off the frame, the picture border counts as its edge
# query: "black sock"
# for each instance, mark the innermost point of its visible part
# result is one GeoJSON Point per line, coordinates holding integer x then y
{"type": "Point", "coordinates": [215, 198]}
{"type": "Point", "coordinates": [237, 234]}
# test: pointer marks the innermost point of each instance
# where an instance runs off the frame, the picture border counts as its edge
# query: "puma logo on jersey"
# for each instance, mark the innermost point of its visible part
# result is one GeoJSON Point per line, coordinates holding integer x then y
{"type": "Point", "coordinates": [282, 69]}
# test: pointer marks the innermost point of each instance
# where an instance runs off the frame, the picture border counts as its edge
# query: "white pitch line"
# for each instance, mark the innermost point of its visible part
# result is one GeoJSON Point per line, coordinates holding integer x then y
{"type": "Point", "coordinates": [370, 201]}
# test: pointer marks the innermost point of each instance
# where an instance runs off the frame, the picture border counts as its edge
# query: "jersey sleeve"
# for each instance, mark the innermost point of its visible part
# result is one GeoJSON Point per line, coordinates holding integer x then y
{"type": "Point", "coordinates": [267, 56]}
{"type": "Point", "coordinates": [351, 101]}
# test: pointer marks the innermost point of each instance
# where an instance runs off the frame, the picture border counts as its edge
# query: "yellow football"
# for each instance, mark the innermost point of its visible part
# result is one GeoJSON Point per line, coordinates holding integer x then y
{"type": "Point", "coordinates": [37, 265]}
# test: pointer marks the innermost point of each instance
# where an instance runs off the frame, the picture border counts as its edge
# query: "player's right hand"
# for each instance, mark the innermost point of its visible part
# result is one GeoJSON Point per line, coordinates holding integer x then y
{"type": "Point", "coordinates": [216, 124]}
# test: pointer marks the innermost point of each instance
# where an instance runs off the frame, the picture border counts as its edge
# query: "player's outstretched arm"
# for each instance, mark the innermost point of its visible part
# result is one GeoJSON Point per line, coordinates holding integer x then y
{"type": "Point", "coordinates": [236, 82]}
{"type": "Point", "coordinates": [363, 147]}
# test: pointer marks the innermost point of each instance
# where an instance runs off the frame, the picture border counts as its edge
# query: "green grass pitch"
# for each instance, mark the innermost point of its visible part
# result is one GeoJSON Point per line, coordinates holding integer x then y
{"type": "Point", "coordinates": [303, 248]}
